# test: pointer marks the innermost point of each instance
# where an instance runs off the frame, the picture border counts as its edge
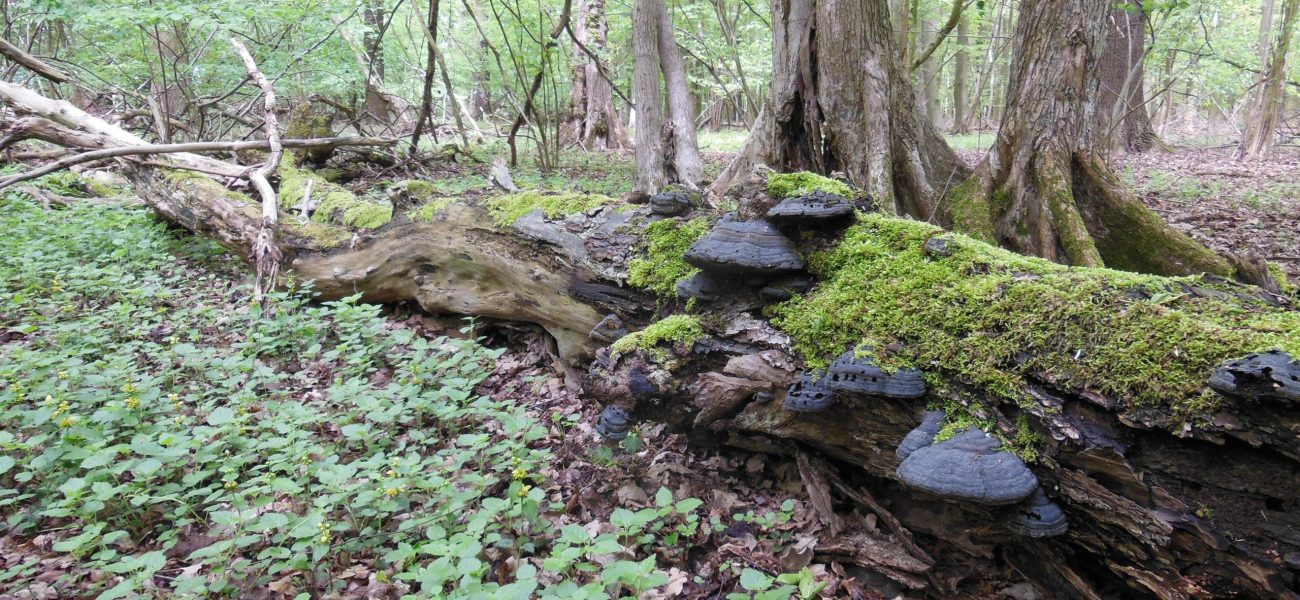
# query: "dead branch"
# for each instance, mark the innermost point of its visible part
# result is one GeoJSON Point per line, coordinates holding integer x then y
{"type": "Point", "coordinates": [266, 255]}
{"type": "Point", "coordinates": [172, 149]}
{"type": "Point", "coordinates": [36, 65]}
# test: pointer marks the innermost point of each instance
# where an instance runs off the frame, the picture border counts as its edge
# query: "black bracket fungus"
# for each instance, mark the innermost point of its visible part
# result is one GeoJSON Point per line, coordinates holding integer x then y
{"type": "Point", "coordinates": [786, 288]}
{"type": "Point", "coordinates": [923, 435]}
{"type": "Point", "coordinates": [609, 330]}
{"type": "Point", "coordinates": [815, 209]}
{"type": "Point", "coordinates": [703, 287]}
{"type": "Point", "coordinates": [1271, 375]}
{"type": "Point", "coordinates": [853, 374]}
{"type": "Point", "coordinates": [809, 395]}
{"type": "Point", "coordinates": [970, 466]}
{"type": "Point", "coordinates": [669, 204]}
{"type": "Point", "coordinates": [744, 247]}
{"type": "Point", "coordinates": [613, 423]}
{"type": "Point", "coordinates": [1037, 517]}
{"type": "Point", "coordinates": [764, 396]}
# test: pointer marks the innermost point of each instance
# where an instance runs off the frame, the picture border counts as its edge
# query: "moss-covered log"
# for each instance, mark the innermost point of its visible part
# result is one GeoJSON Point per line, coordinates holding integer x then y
{"type": "Point", "coordinates": [1097, 378]}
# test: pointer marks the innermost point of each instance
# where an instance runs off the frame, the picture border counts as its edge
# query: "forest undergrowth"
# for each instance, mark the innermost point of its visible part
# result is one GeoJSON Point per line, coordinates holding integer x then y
{"type": "Point", "coordinates": [160, 437]}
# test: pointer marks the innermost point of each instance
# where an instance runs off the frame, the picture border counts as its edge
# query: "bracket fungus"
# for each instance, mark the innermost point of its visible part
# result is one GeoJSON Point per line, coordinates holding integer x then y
{"type": "Point", "coordinates": [971, 466]}
{"type": "Point", "coordinates": [786, 288]}
{"type": "Point", "coordinates": [736, 248]}
{"type": "Point", "coordinates": [613, 423]}
{"type": "Point", "coordinates": [609, 330]}
{"type": "Point", "coordinates": [853, 374]}
{"type": "Point", "coordinates": [809, 394]}
{"type": "Point", "coordinates": [1271, 375]}
{"type": "Point", "coordinates": [669, 204]}
{"type": "Point", "coordinates": [703, 287]}
{"type": "Point", "coordinates": [1037, 517]}
{"type": "Point", "coordinates": [923, 435]}
{"type": "Point", "coordinates": [817, 208]}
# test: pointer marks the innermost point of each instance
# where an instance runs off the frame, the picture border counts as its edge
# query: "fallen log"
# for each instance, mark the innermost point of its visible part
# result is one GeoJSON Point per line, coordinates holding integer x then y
{"type": "Point", "coordinates": [1097, 378]}
{"type": "Point", "coordinates": [1142, 406]}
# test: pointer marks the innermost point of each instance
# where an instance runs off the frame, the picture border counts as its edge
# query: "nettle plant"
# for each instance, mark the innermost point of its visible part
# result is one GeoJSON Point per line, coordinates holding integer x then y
{"type": "Point", "coordinates": [155, 428]}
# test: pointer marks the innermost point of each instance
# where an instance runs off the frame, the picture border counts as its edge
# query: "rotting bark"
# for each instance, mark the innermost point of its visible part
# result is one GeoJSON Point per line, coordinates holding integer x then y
{"type": "Point", "coordinates": [841, 100]}
{"type": "Point", "coordinates": [1044, 189]}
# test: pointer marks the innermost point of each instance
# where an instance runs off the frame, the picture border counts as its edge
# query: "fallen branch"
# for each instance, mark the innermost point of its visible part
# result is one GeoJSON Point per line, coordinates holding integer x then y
{"type": "Point", "coordinates": [266, 255]}
{"type": "Point", "coordinates": [148, 149]}
{"type": "Point", "coordinates": [36, 65]}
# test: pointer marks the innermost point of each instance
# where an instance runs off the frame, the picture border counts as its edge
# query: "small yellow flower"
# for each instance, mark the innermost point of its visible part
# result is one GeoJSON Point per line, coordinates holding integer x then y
{"type": "Point", "coordinates": [49, 400]}
{"type": "Point", "coordinates": [174, 397]}
{"type": "Point", "coordinates": [67, 422]}
{"type": "Point", "coordinates": [396, 462]}
{"type": "Point", "coordinates": [392, 473]}
{"type": "Point", "coordinates": [179, 420]}
{"type": "Point", "coordinates": [232, 484]}
{"type": "Point", "coordinates": [63, 374]}
{"type": "Point", "coordinates": [130, 388]}
{"type": "Point", "coordinates": [518, 474]}
{"type": "Point", "coordinates": [132, 402]}
{"type": "Point", "coordinates": [173, 340]}
{"type": "Point", "coordinates": [63, 407]}
{"type": "Point", "coordinates": [391, 492]}
{"type": "Point", "coordinates": [325, 538]}
{"type": "Point", "coordinates": [523, 491]}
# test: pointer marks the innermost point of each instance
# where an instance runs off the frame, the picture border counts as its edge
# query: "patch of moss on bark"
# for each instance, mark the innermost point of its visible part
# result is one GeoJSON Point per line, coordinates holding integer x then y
{"type": "Point", "coordinates": [663, 266]}
{"type": "Point", "coordinates": [507, 209]}
{"type": "Point", "coordinates": [431, 209]}
{"type": "Point", "coordinates": [968, 210]}
{"type": "Point", "coordinates": [802, 183]}
{"type": "Point", "coordinates": [676, 329]}
{"type": "Point", "coordinates": [992, 318]}
{"type": "Point", "coordinates": [348, 210]}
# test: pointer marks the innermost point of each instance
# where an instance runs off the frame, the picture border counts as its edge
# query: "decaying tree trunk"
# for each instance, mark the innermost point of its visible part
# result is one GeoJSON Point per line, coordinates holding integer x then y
{"type": "Point", "coordinates": [841, 100]}
{"type": "Point", "coordinates": [1171, 490]}
{"type": "Point", "coordinates": [1045, 189]}
{"type": "Point", "coordinates": [1160, 504]}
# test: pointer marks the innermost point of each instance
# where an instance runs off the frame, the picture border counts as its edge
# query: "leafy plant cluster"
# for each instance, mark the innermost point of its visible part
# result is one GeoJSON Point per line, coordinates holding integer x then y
{"type": "Point", "coordinates": [158, 431]}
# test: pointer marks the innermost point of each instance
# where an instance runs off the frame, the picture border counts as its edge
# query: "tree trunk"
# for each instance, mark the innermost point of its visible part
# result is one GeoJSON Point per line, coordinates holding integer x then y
{"type": "Point", "coordinates": [842, 100]}
{"type": "Point", "coordinates": [1266, 106]}
{"type": "Point", "coordinates": [1122, 116]}
{"type": "Point", "coordinates": [672, 156]}
{"type": "Point", "coordinates": [1187, 498]}
{"type": "Point", "coordinates": [377, 105]}
{"type": "Point", "coordinates": [1044, 189]}
{"type": "Point", "coordinates": [960, 72]}
{"type": "Point", "coordinates": [930, 76]}
{"type": "Point", "coordinates": [593, 123]}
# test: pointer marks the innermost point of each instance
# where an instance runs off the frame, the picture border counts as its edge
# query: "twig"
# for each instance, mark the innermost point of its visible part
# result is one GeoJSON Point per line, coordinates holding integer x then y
{"type": "Point", "coordinates": [266, 255]}
{"type": "Point", "coordinates": [37, 66]}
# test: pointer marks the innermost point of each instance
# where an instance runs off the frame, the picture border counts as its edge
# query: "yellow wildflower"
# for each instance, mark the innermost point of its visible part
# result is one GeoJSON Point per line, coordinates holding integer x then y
{"type": "Point", "coordinates": [67, 422]}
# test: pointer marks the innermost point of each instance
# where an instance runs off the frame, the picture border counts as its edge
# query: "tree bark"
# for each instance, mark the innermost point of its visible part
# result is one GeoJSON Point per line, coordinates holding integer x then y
{"type": "Point", "coordinates": [666, 149]}
{"type": "Point", "coordinates": [1044, 189]}
{"type": "Point", "coordinates": [841, 100]}
{"type": "Point", "coordinates": [960, 73]}
{"type": "Point", "coordinates": [1270, 97]}
{"type": "Point", "coordinates": [1122, 115]}
{"type": "Point", "coordinates": [372, 45]}
{"type": "Point", "coordinates": [593, 123]}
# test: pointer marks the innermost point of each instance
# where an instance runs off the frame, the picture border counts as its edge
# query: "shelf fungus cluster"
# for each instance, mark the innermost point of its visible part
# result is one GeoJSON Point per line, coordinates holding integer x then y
{"type": "Point", "coordinates": [973, 467]}
{"type": "Point", "coordinates": [852, 375]}
{"type": "Point", "coordinates": [613, 423]}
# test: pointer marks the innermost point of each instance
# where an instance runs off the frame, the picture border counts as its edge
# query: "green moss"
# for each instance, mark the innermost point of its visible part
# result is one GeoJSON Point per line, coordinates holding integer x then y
{"type": "Point", "coordinates": [322, 234]}
{"type": "Point", "coordinates": [786, 185]}
{"type": "Point", "coordinates": [992, 317]}
{"type": "Point", "coordinates": [505, 210]}
{"type": "Point", "coordinates": [344, 208]}
{"type": "Point", "coordinates": [432, 209]}
{"type": "Point", "coordinates": [1288, 288]}
{"type": "Point", "coordinates": [419, 190]}
{"type": "Point", "coordinates": [676, 329]}
{"type": "Point", "coordinates": [968, 210]}
{"type": "Point", "coordinates": [663, 266]}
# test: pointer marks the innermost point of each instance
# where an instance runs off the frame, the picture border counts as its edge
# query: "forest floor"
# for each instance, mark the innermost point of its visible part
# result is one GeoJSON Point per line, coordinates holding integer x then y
{"type": "Point", "coordinates": [123, 343]}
